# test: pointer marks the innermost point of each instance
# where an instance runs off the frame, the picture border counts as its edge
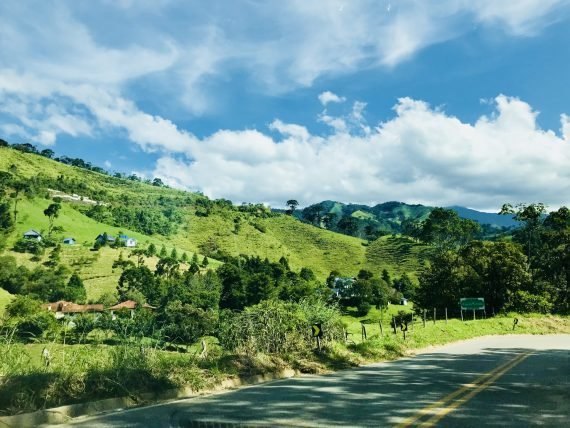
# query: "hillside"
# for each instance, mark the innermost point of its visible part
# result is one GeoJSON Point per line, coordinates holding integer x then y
{"type": "Point", "coordinates": [388, 218]}
{"type": "Point", "coordinates": [492, 219]}
{"type": "Point", "coordinates": [204, 227]}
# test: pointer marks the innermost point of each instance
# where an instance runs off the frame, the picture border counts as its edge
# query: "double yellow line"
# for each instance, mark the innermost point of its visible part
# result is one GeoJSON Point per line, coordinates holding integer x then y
{"type": "Point", "coordinates": [450, 402]}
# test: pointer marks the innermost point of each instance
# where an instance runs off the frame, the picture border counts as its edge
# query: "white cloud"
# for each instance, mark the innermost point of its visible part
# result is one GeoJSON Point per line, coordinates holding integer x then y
{"type": "Point", "coordinates": [422, 155]}
{"type": "Point", "coordinates": [330, 97]}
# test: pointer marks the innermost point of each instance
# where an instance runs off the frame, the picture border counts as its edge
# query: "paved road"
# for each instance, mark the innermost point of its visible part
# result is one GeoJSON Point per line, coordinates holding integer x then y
{"type": "Point", "coordinates": [507, 380]}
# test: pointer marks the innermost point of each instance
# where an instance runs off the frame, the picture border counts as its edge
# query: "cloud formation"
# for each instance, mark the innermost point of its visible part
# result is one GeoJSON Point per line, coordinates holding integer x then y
{"type": "Point", "coordinates": [330, 97]}
{"type": "Point", "coordinates": [421, 155]}
{"type": "Point", "coordinates": [82, 75]}
{"type": "Point", "coordinates": [179, 50]}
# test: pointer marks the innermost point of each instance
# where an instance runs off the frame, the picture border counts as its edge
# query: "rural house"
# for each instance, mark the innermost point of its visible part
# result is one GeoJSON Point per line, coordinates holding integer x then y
{"type": "Point", "coordinates": [63, 309]}
{"type": "Point", "coordinates": [101, 239]}
{"type": "Point", "coordinates": [69, 241]}
{"type": "Point", "coordinates": [129, 305]}
{"type": "Point", "coordinates": [129, 242]}
{"type": "Point", "coordinates": [32, 234]}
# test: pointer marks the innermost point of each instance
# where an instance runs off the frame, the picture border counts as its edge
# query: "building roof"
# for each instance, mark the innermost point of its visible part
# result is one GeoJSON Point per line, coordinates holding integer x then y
{"type": "Point", "coordinates": [71, 308]}
{"type": "Point", "coordinates": [129, 304]}
{"type": "Point", "coordinates": [109, 237]}
{"type": "Point", "coordinates": [69, 239]}
{"type": "Point", "coordinates": [32, 232]}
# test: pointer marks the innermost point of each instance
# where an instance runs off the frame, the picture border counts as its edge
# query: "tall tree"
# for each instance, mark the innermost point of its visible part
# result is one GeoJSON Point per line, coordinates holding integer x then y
{"type": "Point", "coordinates": [445, 230]}
{"type": "Point", "coordinates": [52, 212]}
{"type": "Point", "coordinates": [292, 204]}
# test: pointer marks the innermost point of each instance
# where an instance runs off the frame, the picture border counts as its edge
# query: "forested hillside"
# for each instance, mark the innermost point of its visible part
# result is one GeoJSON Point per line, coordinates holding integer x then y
{"type": "Point", "coordinates": [92, 203]}
{"type": "Point", "coordinates": [393, 217]}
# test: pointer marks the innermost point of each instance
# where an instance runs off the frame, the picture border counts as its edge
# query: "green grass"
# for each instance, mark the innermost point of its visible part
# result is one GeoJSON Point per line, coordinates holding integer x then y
{"type": "Point", "coordinates": [396, 254]}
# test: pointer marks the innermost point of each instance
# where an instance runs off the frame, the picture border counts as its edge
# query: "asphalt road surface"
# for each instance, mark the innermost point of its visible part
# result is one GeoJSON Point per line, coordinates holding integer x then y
{"type": "Point", "coordinates": [501, 380]}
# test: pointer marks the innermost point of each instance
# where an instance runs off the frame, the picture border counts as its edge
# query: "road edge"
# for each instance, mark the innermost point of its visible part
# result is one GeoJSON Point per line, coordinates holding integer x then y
{"type": "Point", "coordinates": [63, 414]}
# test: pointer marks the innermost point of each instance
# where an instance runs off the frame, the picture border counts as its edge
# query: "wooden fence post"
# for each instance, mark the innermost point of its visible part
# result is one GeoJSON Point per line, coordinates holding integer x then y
{"type": "Point", "coordinates": [446, 315]}
{"type": "Point", "coordinates": [425, 311]}
{"type": "Point", "coordinates": [434, 315]}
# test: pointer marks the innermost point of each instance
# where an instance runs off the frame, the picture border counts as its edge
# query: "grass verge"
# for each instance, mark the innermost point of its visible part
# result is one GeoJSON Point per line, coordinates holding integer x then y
{"type": "Point", "coordinates": [79, 373]}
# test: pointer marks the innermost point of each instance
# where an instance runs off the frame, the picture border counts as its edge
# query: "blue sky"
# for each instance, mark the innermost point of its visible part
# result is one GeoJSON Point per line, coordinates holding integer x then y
{"type": "Point", "coordinates": [437, 102]}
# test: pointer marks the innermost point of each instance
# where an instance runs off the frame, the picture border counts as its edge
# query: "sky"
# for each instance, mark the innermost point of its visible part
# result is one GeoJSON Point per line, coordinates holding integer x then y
{"type": "Point", "coordinates": [438, 102]}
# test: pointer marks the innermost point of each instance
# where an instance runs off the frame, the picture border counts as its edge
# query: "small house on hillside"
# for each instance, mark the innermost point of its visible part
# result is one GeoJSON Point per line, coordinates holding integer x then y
{"type": "Point", "coordinates": [129, 305]}
{"type": "Point", "coordinates": [129, 242]}
{"type": "Point", "coordinates": [404, 301]}
{"type": "Point", "coordinates": [69, 241]}
{"type": "Point", "coordinates": [32, 234]}
{"type": "Point", "coordinates": [103, 238]}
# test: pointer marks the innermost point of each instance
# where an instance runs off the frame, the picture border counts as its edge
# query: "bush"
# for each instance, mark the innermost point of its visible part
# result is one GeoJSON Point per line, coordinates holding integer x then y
{"type": "Point", "coordinates": [276, 327]}
{"type": "Point", "coordinates": [525, 302]}
{"type": "Point", "coordinates": [31, 246]}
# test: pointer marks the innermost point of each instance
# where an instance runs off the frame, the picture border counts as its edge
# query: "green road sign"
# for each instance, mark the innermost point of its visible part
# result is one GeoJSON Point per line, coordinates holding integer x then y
{"type": "Point", "coordinates": [317, 330]}
{"type": "Point", "coordinates": [477, 303]}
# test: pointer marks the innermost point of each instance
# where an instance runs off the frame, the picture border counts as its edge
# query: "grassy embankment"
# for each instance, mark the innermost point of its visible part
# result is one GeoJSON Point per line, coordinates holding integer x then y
{"type": "Point", "coordinates": [88, 372]}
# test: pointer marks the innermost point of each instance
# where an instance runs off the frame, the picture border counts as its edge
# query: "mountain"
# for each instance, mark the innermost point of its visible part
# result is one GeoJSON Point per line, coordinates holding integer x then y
{"type": "Point", "coordinates": [388, 218]}
{"type": "Point", "coordinates": [495, 220]}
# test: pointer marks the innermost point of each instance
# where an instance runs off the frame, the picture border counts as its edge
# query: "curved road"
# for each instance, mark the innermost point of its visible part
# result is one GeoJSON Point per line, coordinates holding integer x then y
{"type": "Point", "coordinates": [518, 380]}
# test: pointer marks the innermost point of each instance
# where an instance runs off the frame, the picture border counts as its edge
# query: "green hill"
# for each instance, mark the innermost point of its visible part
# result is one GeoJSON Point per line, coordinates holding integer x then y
{"type": "Point", "coordinates": [389, 218]}
{"type": "Point", "coordinates": [199, 225]}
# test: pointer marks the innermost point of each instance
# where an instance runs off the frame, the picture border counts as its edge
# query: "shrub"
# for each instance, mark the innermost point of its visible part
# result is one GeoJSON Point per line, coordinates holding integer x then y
{"type": "Point", "coordinates": [274, 327]}
{"type": "Point", "coordinates": [31, 246]}
{"type": "Point", "coordinates": [525, 302]}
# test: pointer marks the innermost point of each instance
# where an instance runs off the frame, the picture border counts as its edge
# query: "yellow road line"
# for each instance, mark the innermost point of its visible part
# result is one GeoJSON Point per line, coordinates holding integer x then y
{"type": "Point", "coordinates": [438, 404]}
{"type": "Point", "coordinates": [454, 405]}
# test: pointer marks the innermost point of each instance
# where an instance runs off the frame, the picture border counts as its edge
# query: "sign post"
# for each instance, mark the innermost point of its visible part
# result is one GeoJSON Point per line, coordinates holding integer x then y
{"type": "Point", "coordinates": [473, 304]}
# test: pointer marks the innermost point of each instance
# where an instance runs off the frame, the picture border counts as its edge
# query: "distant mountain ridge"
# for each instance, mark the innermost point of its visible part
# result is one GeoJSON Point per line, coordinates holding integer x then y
{"type": "Point", "coordinates": [388, 217]}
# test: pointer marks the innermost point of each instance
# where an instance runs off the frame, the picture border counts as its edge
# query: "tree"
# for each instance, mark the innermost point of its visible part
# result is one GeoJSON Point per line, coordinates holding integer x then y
{"type": "Point", "coordinates": [386, 277]}
{"type": "Point", "coordinates": [445, 230]}
{"type": "Point", "coordinates": [405, 286]}
{"type": "Point", "coordinates": [6, 222]}
{"type": "Point", "coordinates": [48, 153]}
{"type": "Point", "coordinates": [195, 258]}
{"type": "Point", "coordinates": [205, 262]}
{"type": "Point", "coordinates": [75, 290]}
{"type": "Point", "coordinates": [329, 220]}
{"type": "Point", "coordinates": [233, 294]}
{"type": "Point", "coordinates": [292, 204]}
{"type": "Point", "coordinates": [157, 182]}
{"type": "Point", "coordinates": [174, 254]}
{"type": "Point", "coordinates": [532, 216]}
{"type": "Point", "coordinates": [140, 279]}
{"type": "Point", "coordinates": [167, 268]}
{"type": "Point", "coordinates": [52, 212]}
{"type": "Point", "coordinates": [20, 188]}
{"type": "Point", "coordinates": [365, 274]}
{"type": "Point", "coordinates": [184, 323]}
{"type": "Point", "coordinates": [492, 270]}
{"type": "Point", "coordinates": [151, 250]}
{"type": "Point", "coordinates": [348, 225]}
{"type": "Point", "coordinates": [163, 252]}
{"type": "Point", "coordinates": [184, 258]}
{"type": "Point", "coordinates": [54, 256]}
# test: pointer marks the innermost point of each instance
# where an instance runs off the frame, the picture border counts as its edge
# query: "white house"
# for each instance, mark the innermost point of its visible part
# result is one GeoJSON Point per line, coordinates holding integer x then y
{"type": "Point", "coordinates": [32, 234]}
{"type": "Point", "coordinates": [69, 241]}
{"type": "Point", "coordinates": [128, 242]}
